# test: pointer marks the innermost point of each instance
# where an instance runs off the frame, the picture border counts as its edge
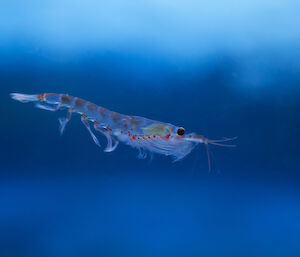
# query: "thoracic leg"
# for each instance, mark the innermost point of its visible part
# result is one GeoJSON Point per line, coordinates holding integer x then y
{"type": "Point", "coordinates": [48, 107]}
{"type": "Point", "coordinates": [87, 125]}
{"type": "Point", "coordinates": [64, 120]}
{"type": "Point", "coordinates": [110, 147]}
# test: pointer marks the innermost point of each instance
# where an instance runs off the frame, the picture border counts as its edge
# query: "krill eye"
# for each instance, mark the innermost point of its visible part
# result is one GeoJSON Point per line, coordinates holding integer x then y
{"type": "Point", "coordinates": [180, 131]}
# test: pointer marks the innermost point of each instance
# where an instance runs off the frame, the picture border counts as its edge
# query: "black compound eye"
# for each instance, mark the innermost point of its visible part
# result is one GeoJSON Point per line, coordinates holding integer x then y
{"type": "Point", "coordinates": [180, 131]}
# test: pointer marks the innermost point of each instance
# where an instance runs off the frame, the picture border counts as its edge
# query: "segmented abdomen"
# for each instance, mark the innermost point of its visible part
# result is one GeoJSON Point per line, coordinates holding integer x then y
{"type": "Point", "coordinates": [106, 118]}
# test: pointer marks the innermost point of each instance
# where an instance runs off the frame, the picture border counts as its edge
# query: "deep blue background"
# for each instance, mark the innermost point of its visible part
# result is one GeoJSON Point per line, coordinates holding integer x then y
{"type": "Point", "coordinates": [218, 69]}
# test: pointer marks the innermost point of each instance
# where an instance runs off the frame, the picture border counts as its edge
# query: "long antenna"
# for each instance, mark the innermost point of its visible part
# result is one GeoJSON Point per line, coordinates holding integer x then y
{"type": "Point", "coordinates": [217, 142]}
{"type": "Point", "coordinates": [208, 157]}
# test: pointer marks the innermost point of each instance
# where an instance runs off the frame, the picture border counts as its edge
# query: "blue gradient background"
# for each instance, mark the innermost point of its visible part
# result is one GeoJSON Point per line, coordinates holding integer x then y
{"type": "Point", "coordinates": [227, 68]}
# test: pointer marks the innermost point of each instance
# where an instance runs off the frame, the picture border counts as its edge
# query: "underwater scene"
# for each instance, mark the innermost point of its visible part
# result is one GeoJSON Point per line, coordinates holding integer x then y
{"type": "Point", "coordinates": [195, 106]}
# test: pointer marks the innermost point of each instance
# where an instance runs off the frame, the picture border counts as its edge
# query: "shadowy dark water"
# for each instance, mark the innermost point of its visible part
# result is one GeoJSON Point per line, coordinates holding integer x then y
{"type": "Point", "coordinates": [227, 71]}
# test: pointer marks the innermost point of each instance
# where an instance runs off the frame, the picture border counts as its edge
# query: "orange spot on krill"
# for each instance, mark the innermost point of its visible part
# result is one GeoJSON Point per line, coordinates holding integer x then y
{"type": "Point", "coordinates": [41, 97]}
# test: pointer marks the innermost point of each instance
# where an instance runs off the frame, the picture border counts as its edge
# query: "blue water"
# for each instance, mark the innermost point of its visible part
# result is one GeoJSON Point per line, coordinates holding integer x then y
{"type": "Point", "coordinates": [217, 69]}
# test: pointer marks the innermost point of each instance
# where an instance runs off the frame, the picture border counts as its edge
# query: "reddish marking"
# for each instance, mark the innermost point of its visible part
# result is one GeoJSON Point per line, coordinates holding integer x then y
{"type": "Point", "coordinates": [48, 94]}
{"type": "Point", "coordinates": [79, 102]}
{"type": "Point", "coordinates": [91, 106]}
{"type": "Point", "coordinates": [133, 138]}
{"type": "Point", "coordinates": [65, 99]}
{"type": "Point", "coordinates": [154, 136]}
{"type": "Point", "coordinates": [167, 136]}
{"type": "Point", "coordinates": [41, 97]}
{"type": "Point", "coordinates": [102, 111]}
{"type": "Point", "coordinates": [116, 117]}
{"type": "Point", "coordinates": [134, 121]}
